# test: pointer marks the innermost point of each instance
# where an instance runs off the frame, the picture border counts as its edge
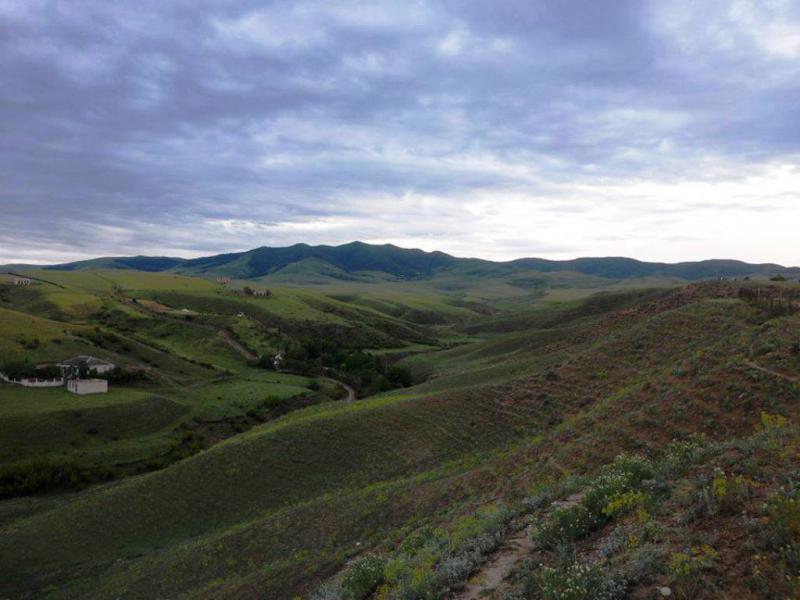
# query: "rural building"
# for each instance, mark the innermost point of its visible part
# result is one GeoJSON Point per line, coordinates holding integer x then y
{"type": "Point", "coordinates": [21, 281]}
{"type": "Point", "coordinates": [87, 386]}
{"type": "Point", "coordinates": [261, 293]}
{"type": "Point", "coordinates": [87, 363]}
{"type": "Point", "coordinates": [224, 280]}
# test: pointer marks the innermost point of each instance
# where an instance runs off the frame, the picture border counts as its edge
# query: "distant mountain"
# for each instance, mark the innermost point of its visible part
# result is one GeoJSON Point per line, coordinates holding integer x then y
{"type": "Point", "coordinates": [138, 263]}
{"type": "Point", "coordinates": [349, 258]}
{"type": "Point", "coordinates": [367, 262]}
{"type": "Point", "coordinates": [626, 268]}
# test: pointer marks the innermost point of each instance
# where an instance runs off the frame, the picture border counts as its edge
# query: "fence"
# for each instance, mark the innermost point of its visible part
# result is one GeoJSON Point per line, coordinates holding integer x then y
{"type": "Point", "coordinates": [41, 383]}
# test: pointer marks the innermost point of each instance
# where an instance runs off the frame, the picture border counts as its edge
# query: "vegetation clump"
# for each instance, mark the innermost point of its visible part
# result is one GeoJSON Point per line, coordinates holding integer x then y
{"type": "Point", "coordinates": [574, 581]}
{"type": "Point", "coordinates": [38, 476]}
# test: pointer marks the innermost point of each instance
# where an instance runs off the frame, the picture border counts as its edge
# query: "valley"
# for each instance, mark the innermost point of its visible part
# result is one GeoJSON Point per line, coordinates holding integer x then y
{"type": "Point", "coordinates": [439, 435]}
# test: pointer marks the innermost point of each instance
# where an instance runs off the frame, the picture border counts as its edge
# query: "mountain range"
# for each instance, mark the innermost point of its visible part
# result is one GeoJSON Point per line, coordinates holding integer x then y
{"type": "Point", "coordinates": [361, 261]}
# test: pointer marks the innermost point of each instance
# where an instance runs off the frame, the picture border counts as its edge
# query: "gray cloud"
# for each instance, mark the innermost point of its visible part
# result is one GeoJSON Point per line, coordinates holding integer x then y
{"type": "Point", "coordinates": [198, 127]}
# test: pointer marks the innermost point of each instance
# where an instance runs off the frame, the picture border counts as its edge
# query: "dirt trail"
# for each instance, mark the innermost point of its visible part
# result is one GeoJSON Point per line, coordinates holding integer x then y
{"type": "Point", "coordinates": [499, 566]}
{"type": "Point", "coordinates": [490, 577]}
{"type": "Point", "coordinates": [778, 374]}
{"type": "Point", "coordinates": [351, 393]}
{"type": "Point", "coordinates": [233, 343]}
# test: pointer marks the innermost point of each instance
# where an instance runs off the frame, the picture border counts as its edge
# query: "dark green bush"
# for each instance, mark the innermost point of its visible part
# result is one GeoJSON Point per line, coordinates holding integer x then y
{"type": "Point", "coordinates": [363, 577]}
{"type": "Point", "coordinates": [39, 476]}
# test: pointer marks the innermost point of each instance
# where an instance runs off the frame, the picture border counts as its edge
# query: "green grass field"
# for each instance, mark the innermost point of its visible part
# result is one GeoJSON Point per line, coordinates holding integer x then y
{"type": "Point", "coordinates": [516, 392]}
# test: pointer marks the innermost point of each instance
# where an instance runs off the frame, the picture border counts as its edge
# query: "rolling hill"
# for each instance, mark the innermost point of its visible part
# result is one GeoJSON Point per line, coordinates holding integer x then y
{"type": "Point", "coordinates": [358, 261]}
{"type": "Point", "coordinates": [625, 442]}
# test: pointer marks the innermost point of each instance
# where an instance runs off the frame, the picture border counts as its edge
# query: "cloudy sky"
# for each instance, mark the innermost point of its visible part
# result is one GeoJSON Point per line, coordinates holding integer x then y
{"type": "Point", "coordinates": [664, 129]}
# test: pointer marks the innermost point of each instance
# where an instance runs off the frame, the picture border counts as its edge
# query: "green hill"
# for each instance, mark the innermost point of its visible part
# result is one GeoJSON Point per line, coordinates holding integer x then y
{"type": "Point", "coordinates": [357, 260]}
{"type": "Point", "coordinates": [507, 444]}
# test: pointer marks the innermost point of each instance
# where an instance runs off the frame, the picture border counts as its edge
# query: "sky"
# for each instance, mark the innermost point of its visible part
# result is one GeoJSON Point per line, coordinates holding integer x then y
{"type": "Point", "coordinates": [662, 130]}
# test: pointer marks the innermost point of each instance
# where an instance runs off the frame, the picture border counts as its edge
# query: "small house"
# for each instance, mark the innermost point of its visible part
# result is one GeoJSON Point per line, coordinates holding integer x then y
{"type": "Point", "coordinates": [87, 386]}
{"type": "Point", "coordinates": [21, 281]}
{"type": "Point", "coordinates": [86, 364]}
{"type": "Point", "coordinates": [262, 293]}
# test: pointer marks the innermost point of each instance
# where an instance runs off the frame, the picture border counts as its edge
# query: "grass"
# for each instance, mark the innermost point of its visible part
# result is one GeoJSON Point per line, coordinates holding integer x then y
{"type": "Point", "coordinates": [53, 422]}
{"type": "Point", "coordinates": [242, 393]}
{"type": "Point", "coordinates": [127, 424]}
{"type": "Point", "coordinates": [539, 397]}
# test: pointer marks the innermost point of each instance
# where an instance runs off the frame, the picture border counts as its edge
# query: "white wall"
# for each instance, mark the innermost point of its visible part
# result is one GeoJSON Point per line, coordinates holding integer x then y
{"type": "Point", "coordinates": [34, 382]}
{"type": "Point", "coordinates": [87, 386]}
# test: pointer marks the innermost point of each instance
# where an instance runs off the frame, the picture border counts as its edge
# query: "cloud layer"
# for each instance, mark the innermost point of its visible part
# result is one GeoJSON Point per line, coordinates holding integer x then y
{"type": "Point", "coordinates": [667, 129]}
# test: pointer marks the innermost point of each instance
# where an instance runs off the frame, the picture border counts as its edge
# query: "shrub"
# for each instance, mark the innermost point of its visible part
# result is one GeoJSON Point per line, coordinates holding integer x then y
{"type": "Point", "coordinates": [623, 503]}
{"type": "Point", "coordinates": [624, 475]}
{"type": "Point", "coordinates": [565, 525]}
{"type": "Point", "coordinates": [39, 476]}
{"type": "Point", "coordinates": [720, 493]}
{"type": "Point", "coordinates": [771, 422]}
{"type": "Point", "coordinates": [783, 513]}
{"type": "Point", "coordinates": [25, 370]}
{"type": "Point", "coordinates": [686, 570]}
{"type": "Point", "coordinates": [363, 577]}
{"type": "Point", "coordinates": [680, 454]}
{"type": "Point", "coordinates": [413, 543]}
{"type": "Point", "coordinates": [574, 582]}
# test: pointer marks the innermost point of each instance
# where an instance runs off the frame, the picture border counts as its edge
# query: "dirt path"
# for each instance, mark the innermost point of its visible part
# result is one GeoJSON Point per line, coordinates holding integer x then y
{"type": "Point", "coordinates": [351, 393]}
{"type": "Point", "coordinates": [499, 566]}
{"type": "Point", "coordinates": [777, 374]}
{"type": "Point", "coordinates": [490, 577]}
{"type": "Point", "coordinates": [233, 343]}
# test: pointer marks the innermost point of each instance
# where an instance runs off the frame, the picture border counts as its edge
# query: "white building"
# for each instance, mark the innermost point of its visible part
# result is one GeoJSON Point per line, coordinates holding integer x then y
{"type": "Point", "coordinates": [21, 281]}
{"type": "Point", "coordinates": [261, 293]}
{"type": "Point", "coordinates": [89, 363]}
{"type": "Point", "coordinates": [87, 386]}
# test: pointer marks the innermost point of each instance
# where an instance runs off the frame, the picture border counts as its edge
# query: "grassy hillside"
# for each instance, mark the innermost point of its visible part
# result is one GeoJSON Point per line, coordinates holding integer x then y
{"type": "Point", "coordinates": [531, 409]}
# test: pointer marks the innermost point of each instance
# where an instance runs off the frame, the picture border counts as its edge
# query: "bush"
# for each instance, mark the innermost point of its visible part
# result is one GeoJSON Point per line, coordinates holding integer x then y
{"type": "Point", "coordinates": [39, 476]}
{"type": "Point", "coordinates": [433, 562]}
{"type": "Point", "coordinates": [720, 493]}
{"type": "Point", "coordinates": [565, 525]}
{"type": "Point", "coordinates": [363, 577]}
{"type": "Point", "coordinates": [414, 543]}
{"type": "Point", "coordinates": [574, 582]}
{"type": "Point", "coordinates": [120, 375]}
{"type": "Point", "coordinates": [25, 370]}
{"type": "Point", "coordinates": [680, 454]}
{"type": "Point", "coordinates": [687, 570]}
{"type": "Point", "coordinates": [783, 513]}
{"type": "Point", "coordinates": [624, 475]}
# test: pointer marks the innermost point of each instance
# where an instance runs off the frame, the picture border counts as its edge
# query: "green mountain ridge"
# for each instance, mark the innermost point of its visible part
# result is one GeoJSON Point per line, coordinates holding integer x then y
{"type": "Point", "coordinates": [341, 262]}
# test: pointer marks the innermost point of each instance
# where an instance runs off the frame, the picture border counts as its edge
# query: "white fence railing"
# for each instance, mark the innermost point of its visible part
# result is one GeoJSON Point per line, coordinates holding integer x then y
{"type": "Point", "coordinates": [34, 382]}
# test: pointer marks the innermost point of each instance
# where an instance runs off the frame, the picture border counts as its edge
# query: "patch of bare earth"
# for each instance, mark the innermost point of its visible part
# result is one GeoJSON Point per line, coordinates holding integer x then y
{"type": "Point", "coordinates": [488, 582]}
{"type": "Point", "coordinates": [489, 579]}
